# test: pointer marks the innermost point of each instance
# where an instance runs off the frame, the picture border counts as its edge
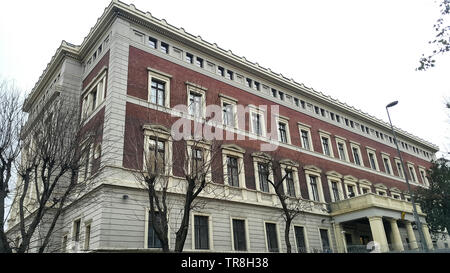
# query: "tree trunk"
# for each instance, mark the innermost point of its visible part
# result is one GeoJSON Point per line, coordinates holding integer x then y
{"type": "Point", "coordinates": [287, 230]}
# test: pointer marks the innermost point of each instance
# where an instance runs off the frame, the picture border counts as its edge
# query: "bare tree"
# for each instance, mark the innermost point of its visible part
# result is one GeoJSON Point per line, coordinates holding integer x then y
{"type": "Point", "coordinates": [11, 121]}
{"type": "Point", "coordinates": [279, 174]}
{"type": "Point", "coordinates": [55, 151]}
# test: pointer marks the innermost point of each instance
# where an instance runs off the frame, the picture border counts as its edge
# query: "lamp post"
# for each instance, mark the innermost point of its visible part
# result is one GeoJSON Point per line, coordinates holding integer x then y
{"type": "Point", "coordinates": [416, 216]}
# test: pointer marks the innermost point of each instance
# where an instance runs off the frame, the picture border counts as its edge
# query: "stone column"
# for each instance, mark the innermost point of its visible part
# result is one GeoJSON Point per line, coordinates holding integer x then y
{"type": "Point", "coordinates": [411, 235]}
{"type": "Point", "coordinates": [340, 239]}
{"type": "Point", "coordinates": [396, 238]}
{"type": "Point", "coordinates": [426, 234]}
{"type": "Point", "coordinates": [378, 232]}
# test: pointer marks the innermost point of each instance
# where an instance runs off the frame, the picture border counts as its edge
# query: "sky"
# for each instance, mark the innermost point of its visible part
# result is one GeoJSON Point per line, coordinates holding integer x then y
{"type": "Point", "coordinates": [363, 53]}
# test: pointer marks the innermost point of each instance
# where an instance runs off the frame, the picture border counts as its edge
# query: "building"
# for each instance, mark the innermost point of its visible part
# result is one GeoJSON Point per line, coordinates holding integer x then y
{"type": "Point", "coordinates": [134, 67]}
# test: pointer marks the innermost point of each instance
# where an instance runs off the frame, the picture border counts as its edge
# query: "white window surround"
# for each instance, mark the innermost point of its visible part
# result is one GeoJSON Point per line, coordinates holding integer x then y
{"type": "Point", "coordinates": [147, 220]}
{"type": "Point", "coordinates": [374, 153]}
{"type": "Point", "coordinates": [324, 134]}
{"type": "Point", "coordinates": [234, 151]}
{"type": "Point", "coordinates": [262, 119]}
{"type": "Point", "coordinates": [336, 177]}
{"type": "Point", "coordinates": [278, 235]}
{"type": "Point", "coordinates": [162, 133]}
{"type": "Point", "coordinates": [357, 147]}
{"type": "Point", "coordinates": [163, 77]}
{"type": "Point", "coordinates": [285, 121]}
{"type": "Point", "coordinates": [395, 192]}
{"type": "Point", "coordinates": [341, 140]}
{"type": "Point", "coordinates": [85, 170]}
{"type": "Point", "coordinates": [350, 180]}
{"type": "Point", "coordinates": [260, 157]}
{"type": "Point", "coordinates": [231, 101]}
{"type": "Point", "coordinates": [311, 170]}
{"type": "Point", "coordinates": [87, 101]}
{"type": "Point", "coordinates": [386, 156]}
{"type": "Point", "coordinates": [423, 176]}
{"type": "Point", "coordinates": [206, 150]}
{"type": "Point", "coordinates": [365, 184]}
{"type": "Point", "coordinates": [412, 173]}
{"type": "Point", "coordinates": [247, 237]}
{"type": "Point", "coordinates": [305, 234]}
{"type": "Point", "coordinates": [199, 90]}
{"type": "Point", "coordinates": [329, 237]}
{"type": "Point", "coordinates": [380, 188]}
{"type": "Point", "coordinates": [210, 231]}
{"type": "Point", "coordinates": [287, 164]}
{"type": "Point", "coordinates": [399, 167]}
{"type": "Point", "coordinates": [307, 129]}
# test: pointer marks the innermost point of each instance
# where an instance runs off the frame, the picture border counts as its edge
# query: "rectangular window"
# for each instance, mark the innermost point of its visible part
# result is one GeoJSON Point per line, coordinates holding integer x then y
{"type": "Point", "coordinates": [400, 170]}
{"type": "Point", "coordinates": [221, 71]}
{"type": "Point", "coordinates": [326, 147]}
{"type": "Point", "coordinates": [256, 122]}
{"type": "Point", "coordinates": [76, 230]}
{"type": "Point", "coordinates": [356, 156]}
{"type": "Point", "coordinates": [195, 104]}
{"type": "Point", "coordinates": [257, 86]}
{"type": "Point", "coordinates": [197, 160]}
{"type": "Point", "coordinates": [157, 92]}
{"type": "Point", "coordinates": [296, 102]}
{"type": "Point", "coordinates": [282, 132]}
{"type": "Point", "coordinates": [263, 173]}
{"type": "Point", "coordinates": [281, 94]}
{"type": "Point", "coordinates": [230, 75]}
{"type": "Point", "coordinates": [325, 241]}
{"type": "Point", "coordinates": [87, 237]}
{"type": "Point", "coordinates": [201, 232]}
{"type": "Point", "coordinates": [341, 151]}
{"type": "Point", "coordinates": [233, 171]}
{"type": "Point", "coordinates": [249, 82]}
{"type": "Point", "coordinates": [300, 239]}
{"type": "Point", "coordinates": [274, 93]}
{"type": "Point", "coordinates": [189, 58]}
{"type": "Point", "coordinates": [64, 244]}
{"type": "Point", "coordinates": [335, 190]}
{"type": "Point", "coordinates": [290, 183]}
{"type": "Point", "coordinates": [386, 165]}
{"type": "Point", "coordinates": [314, 188]}
{"type": "Point", "coordinates": [227, 114]}
{"type": "Point", "coordinates": [240, 242]}
{"type": "Point", "coordinates": [351, 191]}
{"type": "Point", "coordinates": [152, 239]}
{"type": "Point", "coordinates": [412, 173]}
{"type": "Point", "coordinates": [165, 47]}
{"type": "Point", "coordinates": [372, 160]}
{"type": "Point", "coordinates": [156, 156]}
{"type": "Point", "coordinates": [338, 118]}
{"type": "Point", "coordinates": [272, 238]}
{"type": "Point", "coordinates": [152, 42]}
{"type": "Point", "coordinates": [305, 139]}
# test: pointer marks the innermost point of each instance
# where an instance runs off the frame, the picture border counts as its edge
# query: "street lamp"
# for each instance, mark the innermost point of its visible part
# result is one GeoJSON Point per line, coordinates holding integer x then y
{"type": "Point", "coordinates": [416, 216]}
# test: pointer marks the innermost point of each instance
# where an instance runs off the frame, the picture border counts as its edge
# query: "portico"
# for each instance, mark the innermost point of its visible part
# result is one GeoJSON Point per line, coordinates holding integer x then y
{"type": "Point", "coordinates": [370, 217]}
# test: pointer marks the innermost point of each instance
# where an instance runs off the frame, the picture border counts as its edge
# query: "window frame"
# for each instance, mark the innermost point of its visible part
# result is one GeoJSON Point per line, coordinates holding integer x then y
{"type": "Point", "coordinates": [374, 153]}
{"type": "Point", "coordinates": [413, 174]}
{"type": "Point", "coordinates": [234, 151]}
{"type": "Point", "coordinates": [246, 232]}
{"type": "Point", "coordinates": [277, 234]}
{"type": "Point", "coordinates": [341, 140]}
{"type": "Point", "coordinates": [199, 91]}
{"type": "Point", "coordinates": [210, 232]}
{"type": "Point", "coordinates": [386, 156]}
{"type": "Point", "coordinates": [305, 238]}
{"type": "Point", "coordinates": [230, 101]}
{"type": "Point", "coordinates": [314, 171]}
{"type": "Point", "coordinates": [163, 134]}
{"type": "Point", "coordinates": [322, 135]}
{"type": "Point", "coordinates": [261, 158]}
{"type": "Point", "coordinates": [154, 74]}
{"type": "Point", "coordinates": [87, 103]}
{"type": "Point", "coordinates": [334, 177]}
{"type": "Point", "coordinates": [285, 121]}
{"type": "Point", "coordinates": [307, 129]}
{"type": "Point", "coordinates": [262, 120]}
{"type": "Point", "coordinates": [293, 168]}
{"type": "Point", "coordinates": [354, 145]}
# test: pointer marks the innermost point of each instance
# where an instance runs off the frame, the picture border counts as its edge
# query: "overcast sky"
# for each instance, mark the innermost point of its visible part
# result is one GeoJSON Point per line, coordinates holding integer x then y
{"type": "Point", "coordinates": [363, 53]}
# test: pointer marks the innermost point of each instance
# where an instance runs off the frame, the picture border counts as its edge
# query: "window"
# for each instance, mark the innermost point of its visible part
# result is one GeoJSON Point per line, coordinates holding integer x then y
{"type": "Point", "coordinates": [157, 93]}
{"type": "Point", "coordinates": [190, 58]}
{"type": "Point", "coordinates": [64, 243]}
{"type": "Point", "coordinates": [272, 237]}
{"type": "Point", "coordinates": [357, 155]}
{"type": "Point", "coordinates": [239, 235]}
{"type": "Point", "coordinates": [76, 230]}
{"type": "Point", "coordinates": [281, 95]}
{"type": "Point", "coordinates": [274, 93]}
{"type": "Point", "coordinates": [152, 42]}
{"type": "Point", "coordinates": [249, 82]}
{"type": "Point", "coordinates": [342, 149]}
{"type": "Point", "coordinates": [201, 232]}
{"type": "Point", "coordinates": [233, 171]}
{"type": "Point", "coordinates": [372, 159]}
{"type": "Point", "coordinates": [257, 86]}
{"type": "Point", "coordinates": [282, 132]}
{"type": "Point", "coordinates": [164, 47]}
{"type": "Point", "coordinates": [400, 171]}
{"type": "Point", "coordinates": [94, 96]}
{"type": "Point", "coordinates": [227, 114]}
{"type": "Point", "coordinates": [221, 71]}
{"type": "Point", "coordinates": [155, 161]}
{"type": "Point", "coordinates": [305, 135]}
{"type": "Point", "coordinates": [159, 88]}
{"type": "Point", "coordinates": [85, 159]}
{"type": "Point", "coordinates": [296, 102]}
{"type": "Point", "coordinates": [87, 236]}
{"type": "Point", "coordinates": [326, 143]}
{"type": "Point", "coordinates": [387, 163]}
{"type": "Point", "coordinates": [152, 238]}
{"type": "Point", "coordinates": [412, 173]}
{"type": "Point", "coordinates": [300, 239]}
{"type": "Point", "coordinates": [263, 174]}
{"type": "Point", "coordinates": [350, 191]}
{"type": "Point", "coordinates": [195, 104]}
{"type": "Point", "coordinates": [325, 241]}
{"type": "Point", "coordinates": [257, 124]}
{"type": "Point", "coordinates": [290, 186]}
{"type": "Point", "coordinates": [423, 175]}
{"type": "Point", "coordinates": [197, 160]}
{"type": "Point", "coordinates": [335, 191]}
{"type": "Point", "coordinates": [314, 188]}
{"type": "Point", "coordinates": [230, 75]}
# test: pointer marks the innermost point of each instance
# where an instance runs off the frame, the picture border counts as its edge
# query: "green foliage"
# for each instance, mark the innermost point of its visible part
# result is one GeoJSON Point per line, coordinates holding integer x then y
{"type": "Point", "coordinates": [435, 201]}
{"type": "Point", "coordinates": [442, 38]}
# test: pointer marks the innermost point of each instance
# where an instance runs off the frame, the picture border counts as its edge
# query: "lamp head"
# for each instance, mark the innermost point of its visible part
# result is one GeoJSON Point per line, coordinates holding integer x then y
{"type": "Point", "coordinates": [392, 104]}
